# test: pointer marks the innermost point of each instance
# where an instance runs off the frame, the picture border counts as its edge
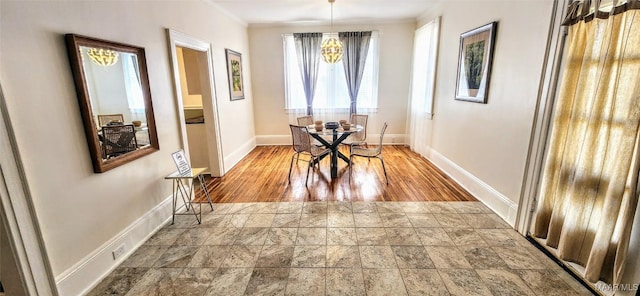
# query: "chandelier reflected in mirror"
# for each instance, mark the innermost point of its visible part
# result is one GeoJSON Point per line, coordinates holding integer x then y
{"type": "Point", "coordinates": [103, 57]}
{"type": "Point", "coordinates": [331, 48]}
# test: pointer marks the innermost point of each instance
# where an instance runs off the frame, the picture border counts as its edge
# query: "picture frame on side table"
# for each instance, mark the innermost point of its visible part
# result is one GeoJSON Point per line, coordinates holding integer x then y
{"type": "Point", "coordinates": [182, 163]}
{"type": "Point", "coordinates": [234, 72]}
{"type": "Point", "coordinates": [474, 63]}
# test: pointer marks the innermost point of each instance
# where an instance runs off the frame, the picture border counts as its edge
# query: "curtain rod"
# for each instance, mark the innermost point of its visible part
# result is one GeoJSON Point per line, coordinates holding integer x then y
{"type": "Point", "coordinates": [373, 31]}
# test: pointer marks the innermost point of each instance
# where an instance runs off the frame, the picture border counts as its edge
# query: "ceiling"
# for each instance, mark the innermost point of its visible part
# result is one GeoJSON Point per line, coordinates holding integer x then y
{"type": "Point", "coordinates": [277, 12]}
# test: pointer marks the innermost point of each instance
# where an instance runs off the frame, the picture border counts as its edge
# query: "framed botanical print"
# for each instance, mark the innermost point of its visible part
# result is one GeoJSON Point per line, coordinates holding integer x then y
{"type": "Point", "coordinates": [234, 70]}
{"type": "Point", "coordinates": [474, 63]}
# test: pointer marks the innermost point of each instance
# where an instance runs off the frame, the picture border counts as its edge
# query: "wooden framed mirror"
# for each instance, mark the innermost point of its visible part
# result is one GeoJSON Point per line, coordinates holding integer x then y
{"type": "Point", "coordinates": [114, 98]}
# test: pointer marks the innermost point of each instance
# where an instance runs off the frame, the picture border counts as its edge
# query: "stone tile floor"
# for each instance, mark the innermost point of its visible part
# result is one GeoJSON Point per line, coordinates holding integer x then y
{"type": "Point", "coordinates": [340, 248]}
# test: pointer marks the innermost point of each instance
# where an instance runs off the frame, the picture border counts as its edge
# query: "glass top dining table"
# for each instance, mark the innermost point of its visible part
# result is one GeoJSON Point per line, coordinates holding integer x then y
{"type": "Point", "coordinates": [338, 135]}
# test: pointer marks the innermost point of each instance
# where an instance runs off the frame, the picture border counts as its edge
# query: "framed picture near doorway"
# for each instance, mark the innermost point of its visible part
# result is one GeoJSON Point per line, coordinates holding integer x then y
{"type": "Point", "coordinates": [474, 63]}
{"type": "Point", "coordinates": [234, 70]}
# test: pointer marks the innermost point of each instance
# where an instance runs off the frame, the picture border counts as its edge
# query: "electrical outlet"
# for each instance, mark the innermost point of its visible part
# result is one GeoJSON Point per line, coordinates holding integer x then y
{"type": "Point", "coordinates": [119, 251]}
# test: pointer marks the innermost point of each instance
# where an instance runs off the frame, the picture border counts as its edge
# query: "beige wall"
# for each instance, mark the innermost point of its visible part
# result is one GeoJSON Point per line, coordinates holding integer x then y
{"type": "Point", "coordinates": [396, 47]}
{"type": "Point", "coordinates": [78, 210]}
{"type": "Point", "coordinates": [193, 100]}
{"type": "Point", "coordinates": [491, 140]}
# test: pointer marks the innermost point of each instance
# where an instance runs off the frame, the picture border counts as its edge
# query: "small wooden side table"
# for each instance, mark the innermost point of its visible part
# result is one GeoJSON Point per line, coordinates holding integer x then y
{"type": "Point", "coordinates": [183, 185]}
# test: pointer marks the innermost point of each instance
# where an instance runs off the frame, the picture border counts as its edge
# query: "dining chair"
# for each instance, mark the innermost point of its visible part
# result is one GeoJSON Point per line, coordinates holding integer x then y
{"type": "Point", "coordinates": [118, 140]}
{"type": "Point", "coordinates": [107, 118]}
{"type": "Point", "coordinates": [302, 145]}
{"type": "Point", "coordinates": [358, 151]}
{"type": "Point", "coordinates": [305, 120]}
{"type": "Point", "coordinates": [360, 137]}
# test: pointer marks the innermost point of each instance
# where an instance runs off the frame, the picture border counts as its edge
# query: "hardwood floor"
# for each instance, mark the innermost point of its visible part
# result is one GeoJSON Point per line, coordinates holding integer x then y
{"type": "Point", "coordinates": [262, 176]}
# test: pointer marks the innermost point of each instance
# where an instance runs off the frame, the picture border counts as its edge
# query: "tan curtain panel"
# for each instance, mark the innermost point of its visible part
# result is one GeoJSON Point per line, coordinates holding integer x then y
{"type": "Point", "coordinates": [589, 9]}
{"type": "Point", "coordinates": [588, 193]}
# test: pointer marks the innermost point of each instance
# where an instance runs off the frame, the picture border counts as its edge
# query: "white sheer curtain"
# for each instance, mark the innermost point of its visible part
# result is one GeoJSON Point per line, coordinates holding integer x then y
{"type": "Point", "coordinates": [425, 51]}
{"type": "Point", "coordinates": [332, 96]}
{"type": "Point", "coordinates": [135, 97]}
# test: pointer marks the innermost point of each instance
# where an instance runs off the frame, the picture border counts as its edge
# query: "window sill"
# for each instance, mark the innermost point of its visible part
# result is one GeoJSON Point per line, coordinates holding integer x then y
{"type": "Point", "coordinates": [327, 110]}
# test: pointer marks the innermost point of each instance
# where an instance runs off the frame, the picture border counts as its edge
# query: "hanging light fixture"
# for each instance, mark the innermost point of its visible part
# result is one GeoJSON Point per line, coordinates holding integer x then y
{"type": "Point", "coordinates": [103, 57]}
{"type": "Point", "coordinates": [331, 48]}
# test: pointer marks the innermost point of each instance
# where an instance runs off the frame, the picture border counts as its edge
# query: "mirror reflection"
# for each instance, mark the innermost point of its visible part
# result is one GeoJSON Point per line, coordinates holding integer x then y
{"type": "Point", "coordinates": [117, 100]}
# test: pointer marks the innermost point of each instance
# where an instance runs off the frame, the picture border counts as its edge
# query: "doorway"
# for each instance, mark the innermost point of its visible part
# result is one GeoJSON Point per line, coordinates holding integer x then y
{"type": "Point", "coordinates": [196, 101]}
{"type": "Point", "coordinates": [10, 279]}
{"type": "Point", "coordinates": [24, 265]}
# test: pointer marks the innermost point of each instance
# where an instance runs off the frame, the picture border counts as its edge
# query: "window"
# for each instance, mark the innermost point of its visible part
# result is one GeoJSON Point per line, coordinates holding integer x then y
{"type": "Point", "coordinates": [425, 50]}
{"type": "Point", "coordinates": [425, 46]}
{"type": "Point", "coordinates": [331, 89]}
{"type": "Point", "coordinates": [133, 87]}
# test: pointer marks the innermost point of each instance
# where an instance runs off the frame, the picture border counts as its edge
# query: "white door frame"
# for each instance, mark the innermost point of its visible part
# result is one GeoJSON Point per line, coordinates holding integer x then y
{"type": "Point", "coordinates": [209, 98]}
{"type": "Point", "coordinates": [18, 214]}
{"type": "Point", "coordinates": [542, 118]}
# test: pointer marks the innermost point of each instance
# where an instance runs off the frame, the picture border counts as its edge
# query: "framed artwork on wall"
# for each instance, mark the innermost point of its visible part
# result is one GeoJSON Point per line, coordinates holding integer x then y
{"type": "Point", "coordinates": [234, 70]}
{"type": "Point", "coordinates": [474, 63]}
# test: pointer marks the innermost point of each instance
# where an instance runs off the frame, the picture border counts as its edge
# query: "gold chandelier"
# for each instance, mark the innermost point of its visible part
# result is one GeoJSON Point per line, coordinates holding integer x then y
{"type": "Point", "coordinates": [103, 57]}
{"type": "Point", "coordinates": [331, 48]}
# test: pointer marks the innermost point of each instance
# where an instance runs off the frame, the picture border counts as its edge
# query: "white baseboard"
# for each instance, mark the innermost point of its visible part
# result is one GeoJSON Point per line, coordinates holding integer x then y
{"type": "Point", "coordinates": [500, 204]}
{"type": "Point", "coordinates": [389, 139]}
{"type": "Point", "coordinates": [234, 157]}
{"type": "Point", "coordinates": [269, 140]}
{"type": "Point", "coordinates": [89, 271]}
